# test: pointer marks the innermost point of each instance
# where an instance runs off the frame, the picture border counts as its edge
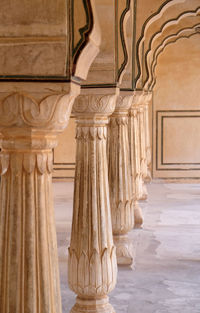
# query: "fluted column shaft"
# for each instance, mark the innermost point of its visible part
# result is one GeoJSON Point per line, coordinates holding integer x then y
{"type": "Point", "coordinates": [121, 191]}
{"type": "Point", "coordinates": [28, 248]}
{"type": "Point", "coordinates": [143, 141]}
{"type": "Point", "coordinates": [134, 141]}
{"type": "Point", "coordinates": [29, 277]}
{"type": "Point", "coordinates": [92, 265]}
{"type": "Point", "coordinates": [147, 135]}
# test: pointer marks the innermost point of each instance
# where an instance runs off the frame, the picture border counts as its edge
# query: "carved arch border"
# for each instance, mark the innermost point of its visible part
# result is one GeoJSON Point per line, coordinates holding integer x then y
{"type": "Point", "coordinates": [147, 25]}
{"type": "Point", "coordinates": [175, 38]}
{"type": "Point", "coordinates": [168, 24]}
{"type": "Point", "coordinates": [151, 19]}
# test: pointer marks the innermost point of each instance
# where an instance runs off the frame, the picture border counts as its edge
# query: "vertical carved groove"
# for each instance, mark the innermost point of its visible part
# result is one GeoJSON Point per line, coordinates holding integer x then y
{"type": "Point", "coordinates": [28, 248]}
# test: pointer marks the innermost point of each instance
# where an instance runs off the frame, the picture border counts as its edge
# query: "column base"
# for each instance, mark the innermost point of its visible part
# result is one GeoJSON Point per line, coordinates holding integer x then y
{"type": "Point", "coordinates": [138, 216]}
{"type": "Point", "coordinates": [92, 306]}
{"type": "Point", "coordinates": [124, 250]}
{"type": "Point", "coordinates": [148, 178]}
{"type": "Point", "coordinates": [144, 193]}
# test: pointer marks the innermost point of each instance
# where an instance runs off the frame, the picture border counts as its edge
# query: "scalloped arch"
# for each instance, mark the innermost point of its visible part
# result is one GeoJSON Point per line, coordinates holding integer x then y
{"type": "Point", "coordinates": [154, 22]}
{"type": "Point", "coordinates": [150, 56]}
{"type": "Point", "coordinates": [163, 34]}
{"type": "Point", "coordinates": [150, 21]}
{"type": "Point", "coordinates": [173, 39]}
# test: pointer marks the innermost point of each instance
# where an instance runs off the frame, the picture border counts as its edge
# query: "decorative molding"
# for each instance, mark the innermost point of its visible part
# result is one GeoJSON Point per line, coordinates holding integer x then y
{"type": "Point", "coordinates": [99, 282]}
{"type": "Point", "coordinates": [150, 20]}
{"type": "Point", "coordinates": [95, 104]}
{"type": "Point", "coordinates": [42, 162]}
{"type": "Point", "coordinates": [159, 35]}
{"type": "Point", "coordinates": [22, 109]}
{"type": "Point", "coordinates": [160, 116]}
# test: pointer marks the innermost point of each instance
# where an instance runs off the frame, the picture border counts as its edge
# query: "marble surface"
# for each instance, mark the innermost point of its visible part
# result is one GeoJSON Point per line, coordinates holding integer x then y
{"type": "Point", "coordinates": [166, 275]}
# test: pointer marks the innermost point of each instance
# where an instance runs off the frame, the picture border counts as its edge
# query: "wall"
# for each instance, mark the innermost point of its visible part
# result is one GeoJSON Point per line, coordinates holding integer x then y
{"type": "Point", "coordinates": [65, 153]}
{"type": "Point", "coordinates": [176, 111]}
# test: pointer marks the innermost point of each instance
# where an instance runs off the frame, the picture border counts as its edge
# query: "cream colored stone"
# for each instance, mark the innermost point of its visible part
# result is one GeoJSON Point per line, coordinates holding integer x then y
{"type": "Point", "coordinates": [143, 160]}
{"type": "Point", "coordinates": [34, 38]}
{"type": "Point", "coordinates": [136, 175]}
{"type": "Point", "coordinates": [125, 250]}
{"type": "Point", "coordinates": [147, 100]}
{"type": "Point", "coordinates": [65, 154]}
{"type": "Point", "coordinates": [34, 58]}
{"type": "Point", "coordinates": [119, 172]}
{"type": "Point", "coordinates": [176, 137]}
{"type": "Point", "coordinates": [30, 119]}
{"type": "Point", "coordinates": [138, 126]}
{"type": "Point", "coordinates": [92, 267]}
{"type": "Point", "coordinates": [92, 48]}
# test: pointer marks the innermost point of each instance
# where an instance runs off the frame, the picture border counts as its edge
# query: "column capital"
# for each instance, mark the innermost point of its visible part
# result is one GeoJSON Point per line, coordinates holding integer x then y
{"type": "Point", "coordinates": [29, 109]}
{"type": "Point", "coordinates": [141, 98]}
{"type": "Point", "coordinates": [147, 98]}
{"type": "Point", "coordinates": [124, 101]}
{"type": "Point", "coordinates": [95, 102]}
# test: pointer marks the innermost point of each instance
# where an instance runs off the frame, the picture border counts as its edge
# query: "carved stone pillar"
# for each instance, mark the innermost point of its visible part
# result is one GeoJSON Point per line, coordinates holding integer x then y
{"type": "Point", "coordinates": [92, 268]}
{"type": "Point", "coordinates": [121, 191]}
{"type": "Point", "coordinates": [143, 140]}
{"type": "Point", "coordinates": [29, 123]}
{"type": "Point", "coordinates": [147, 100]}
{"type": "Point", "coordinates": [134, 141]}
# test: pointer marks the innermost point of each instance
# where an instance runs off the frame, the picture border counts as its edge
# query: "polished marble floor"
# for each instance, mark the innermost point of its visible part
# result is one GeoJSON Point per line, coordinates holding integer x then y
{"type": "Point", "coordinates": [166, 274]}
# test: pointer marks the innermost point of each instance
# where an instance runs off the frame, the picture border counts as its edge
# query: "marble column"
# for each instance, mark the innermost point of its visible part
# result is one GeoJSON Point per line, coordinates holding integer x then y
{"type": "Point", "coordinates": [29, 123]}
{"type": "Point", "coordinates": [136, 175]}
{"type": "Point", "coordinates": [92, 267]}
{"type": "Point", "coordinates": [120, 182]}
{"type": "Point", "coordinates": [147, 100]}
{"type": "Point", "coordinates": [141, 110]}
{"type": "Point", "coordinates": [142, 144]}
